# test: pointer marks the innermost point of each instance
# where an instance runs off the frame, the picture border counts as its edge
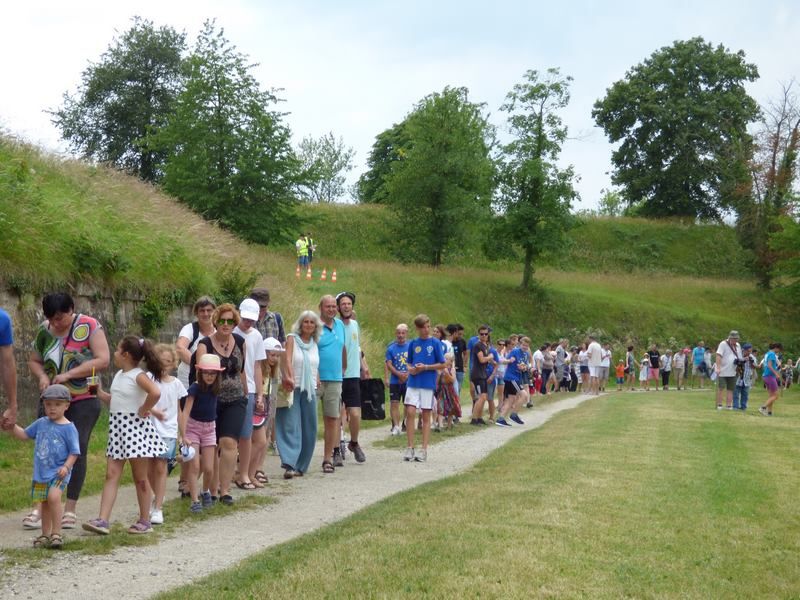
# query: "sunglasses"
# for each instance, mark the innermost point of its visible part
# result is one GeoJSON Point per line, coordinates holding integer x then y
{"type": "Point", "coordinates": [226, 321]}
{"type": "Point", "coordinates": [482, 334]}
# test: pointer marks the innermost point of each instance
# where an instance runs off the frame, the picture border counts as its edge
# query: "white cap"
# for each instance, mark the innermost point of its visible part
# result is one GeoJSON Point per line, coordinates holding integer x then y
{"type": "Point", "coordinates": [187, 452]}
{"type": "Point", "coordinates": [272, 345]}
{"type": "Point", "coordinates": [248, 309]}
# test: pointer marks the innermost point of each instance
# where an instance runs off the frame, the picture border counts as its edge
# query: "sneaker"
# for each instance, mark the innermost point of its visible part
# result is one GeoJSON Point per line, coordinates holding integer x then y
{"type": "Point", "coordinates": [196, 507]}
{"type": "Point", "coordinates": [719, 406]}
{"type": "Point", "coordinates": [408, 455]}
{"type": "Point", "coordinates": [206, 499]}
{"type": "Point", "coordinates": [157, 517]}
{"type": "Point", "coordinates": [171, 464]}
{"type": "Point", "coordinates": [395, 430]}
{"type": "Point", "coordinates": [502, 422]}
{"type": "Point", "coordinates": [97, 526]}
{"type": "Point", "coordinates": [529, 405]}
{"type": "Point", "coordinates": [763, 411]}
{"type": "Point", "coordinates": [474, 422]}
{"type": "Point", "coordinates": [516, 419]}
{"type": "Point", "coordinates": [437, 428]}
{"type": "Point", "coordinates": [480, 421]}
{"type": "Point", "coordinates": [728, 408]}
{"type": "Point", "coordinates": [338, 461]}
{"type": "Point", "coordinates": [421, 456]}
{"type": "Point", "coordinates": [358, 453]}
{"type": "Point", "coordinates": [227, 500]}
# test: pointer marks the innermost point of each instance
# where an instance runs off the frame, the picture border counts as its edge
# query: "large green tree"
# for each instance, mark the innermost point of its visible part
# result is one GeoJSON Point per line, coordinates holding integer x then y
{"type": "Point", "coordinates": [389, 147]}
{"type": "Point", "coordinates": [445, 178]}
{"type": "Point", "coordinates": [535, 193]}
{"type": "Point", "coordinates": [680, 119]}
{"type": "Point", "coordinates": [230, 156]}
{"type": "Point", "coordinates": [325, 162]}
{"type": "Point", "coordinates": [124, 97]}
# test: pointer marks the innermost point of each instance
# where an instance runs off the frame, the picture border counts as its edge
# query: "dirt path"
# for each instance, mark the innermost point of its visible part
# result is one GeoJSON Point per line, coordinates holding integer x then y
{"type": "Point", "coordinates": [303, 505]}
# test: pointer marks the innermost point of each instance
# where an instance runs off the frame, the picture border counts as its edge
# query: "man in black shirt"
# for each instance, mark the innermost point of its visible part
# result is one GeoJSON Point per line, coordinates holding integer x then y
{"type": "Point", "coordinates": [655, 366]}
{"type": "Point", "coordinates": [456, 331]}
{"type": "Point", "coordinates": [479, 358]}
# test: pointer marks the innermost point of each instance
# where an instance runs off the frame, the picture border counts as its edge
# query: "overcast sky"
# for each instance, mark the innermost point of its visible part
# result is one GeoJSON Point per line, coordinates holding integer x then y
{"type": "Point", "coordinates": [357, 67]}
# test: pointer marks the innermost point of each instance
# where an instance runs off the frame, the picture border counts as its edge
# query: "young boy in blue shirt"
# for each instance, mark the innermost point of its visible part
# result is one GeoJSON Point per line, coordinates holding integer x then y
{"type": "Point", "coordinates": [55, 451]}
{"type": "Point", "coordinates": [425, 359]}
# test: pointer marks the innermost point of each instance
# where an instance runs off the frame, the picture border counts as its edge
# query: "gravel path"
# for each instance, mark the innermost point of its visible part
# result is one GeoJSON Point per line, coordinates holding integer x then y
{"type": "Point", "coordinates": [303, 505]}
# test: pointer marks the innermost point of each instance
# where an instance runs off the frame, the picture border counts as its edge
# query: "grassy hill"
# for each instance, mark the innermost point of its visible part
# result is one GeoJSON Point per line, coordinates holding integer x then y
{"type": "Point", "coordinates": [66, 221]}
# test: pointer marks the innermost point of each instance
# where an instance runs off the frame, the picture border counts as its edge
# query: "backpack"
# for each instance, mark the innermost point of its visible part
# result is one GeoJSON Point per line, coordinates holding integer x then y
{"type": "Point", "coordinates": [193, 360]}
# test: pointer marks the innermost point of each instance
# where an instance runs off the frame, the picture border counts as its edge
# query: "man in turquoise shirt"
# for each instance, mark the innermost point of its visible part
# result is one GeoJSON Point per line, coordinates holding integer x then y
{"type": "Point", "coordinates": [332, 362]}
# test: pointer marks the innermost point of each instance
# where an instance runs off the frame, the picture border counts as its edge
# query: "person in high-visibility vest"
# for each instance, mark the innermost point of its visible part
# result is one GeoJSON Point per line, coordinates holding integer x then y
{"type": "Point", "coordinates": [311, 248]}
{"type": "Point", "coordinates": [302, 251]}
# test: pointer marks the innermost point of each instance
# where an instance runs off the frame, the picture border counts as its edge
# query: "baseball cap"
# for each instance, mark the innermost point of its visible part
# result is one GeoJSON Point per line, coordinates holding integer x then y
{"type": "Point", "coordinates": [56, 391]}
{"type": "Point", "coordinates": [248, 309]}
{"type": "Point", "coordinates": [747, 346]}
{"type": "Point", "coordinates": [272, 345]}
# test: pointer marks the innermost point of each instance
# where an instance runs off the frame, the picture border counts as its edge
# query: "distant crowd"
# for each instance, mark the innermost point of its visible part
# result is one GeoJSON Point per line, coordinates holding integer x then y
{"type": "Point", "coordinates": [238, 381]}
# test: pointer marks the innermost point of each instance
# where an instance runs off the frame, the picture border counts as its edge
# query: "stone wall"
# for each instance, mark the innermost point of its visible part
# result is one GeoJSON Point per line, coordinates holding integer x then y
{"type": "Point", "coordinates": [118, 317]}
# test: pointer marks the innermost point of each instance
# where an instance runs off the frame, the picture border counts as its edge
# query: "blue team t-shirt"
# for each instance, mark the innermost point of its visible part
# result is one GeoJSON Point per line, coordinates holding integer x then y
{"type": "Point", "coordinates": [770, 358]}
{"type": "Point", "coordinates": [470, 344]}
{"type": "Point", "coordinates": [330, 346]}
{"type": "Point", "coordinates": [54, 444]}
{"type": "Point", "coordinates": [426, 352]}
{"type": "Point", "coordinates": [490, 366]}
{"type": "Point", "coordinates": [698, 355]}
{"type": "Point", "coordinates": [204, 407]}
{"type": "Point", "coordinates": [397, 354]}
{"type": "Point", "coordinates": [512, 370]}
{"type": "Point", "coordinates": [6, 331]}
{"type": "Point", "coordinates": [351, 342]}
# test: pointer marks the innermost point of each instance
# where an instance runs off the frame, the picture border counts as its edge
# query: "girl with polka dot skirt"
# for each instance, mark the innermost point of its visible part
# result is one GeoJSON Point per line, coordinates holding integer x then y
{"type": "Point", "coordinates": [131, 435]}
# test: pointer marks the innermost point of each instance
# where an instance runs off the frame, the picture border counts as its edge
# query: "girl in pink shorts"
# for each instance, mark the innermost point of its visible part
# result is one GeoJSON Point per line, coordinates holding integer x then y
{"type": "Point", "coordinates": [198, 424]}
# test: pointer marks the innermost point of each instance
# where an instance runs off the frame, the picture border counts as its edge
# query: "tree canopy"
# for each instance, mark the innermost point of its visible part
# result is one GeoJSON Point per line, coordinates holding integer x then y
{"type": "Point", "coordinates": [390, 146]}
{"type": "Point", "coordinates": [229, 155]}
{"type": "Point", "coordinates": [325, 161]}
{"type": "Point", "coordinates": [535, 193]}
{"type": "Point", "coordinates": [125, 97]}
{"type": "Point", "coordinates": [680, 118]}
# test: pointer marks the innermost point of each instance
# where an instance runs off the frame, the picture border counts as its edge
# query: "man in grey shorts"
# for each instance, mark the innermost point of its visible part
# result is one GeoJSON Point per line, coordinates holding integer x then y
{"type": "Point", "coordinates": [729, 354]}
{"type": "Point", "coordinates": [332, 361]}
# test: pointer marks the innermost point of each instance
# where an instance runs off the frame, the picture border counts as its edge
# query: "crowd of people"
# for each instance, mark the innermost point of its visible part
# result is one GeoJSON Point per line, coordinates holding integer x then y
{"type": "Point", "coordinates": [236, 383]}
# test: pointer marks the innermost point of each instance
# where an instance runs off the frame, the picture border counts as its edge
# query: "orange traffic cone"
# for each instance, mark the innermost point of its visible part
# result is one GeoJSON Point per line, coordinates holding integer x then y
{"type": "Point", "coordinates": [333, 276]}
{"type": "Point", "coordinates": [297, 272]}
{"type": "Point", "coordinates": [308, 273]}
{"type": "Point", "coordinates": [324, 275]}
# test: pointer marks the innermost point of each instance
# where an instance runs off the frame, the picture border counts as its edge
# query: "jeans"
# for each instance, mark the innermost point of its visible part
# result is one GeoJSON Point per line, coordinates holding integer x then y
{"type": "Point", "coordinates": [545, 378]}
{"type": "Point", "coordinates": [459, 381]}
{"type": "Point", "coordinates": [296, 431]}
{"type": "Point", "coordinates": [84, 415]}
{"type": "Point", "coordinates": [741, 395]}
{"type": "Point", "coordinates": [490, 388]}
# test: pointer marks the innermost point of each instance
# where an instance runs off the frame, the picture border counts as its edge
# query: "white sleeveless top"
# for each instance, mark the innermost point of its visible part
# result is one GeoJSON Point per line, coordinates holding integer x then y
{"type": "Point", "coordinates": [126, 395]}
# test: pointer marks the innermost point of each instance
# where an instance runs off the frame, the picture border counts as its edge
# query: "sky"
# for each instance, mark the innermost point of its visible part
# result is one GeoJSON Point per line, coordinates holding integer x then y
{"type": "Point", "coordinates": [357, 67]}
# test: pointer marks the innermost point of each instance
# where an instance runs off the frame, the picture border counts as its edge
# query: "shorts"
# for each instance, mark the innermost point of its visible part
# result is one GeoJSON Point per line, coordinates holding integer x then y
{"type": "Point", "coordinates": [525, 378]}
{"type": "Point", "coordinates": [726, 383]}
{"type": "Point", "coordinates": [302, 261]}
{"type": "Point", "coordinates": [351, 392]}
{"type": "Point", "coordinates": [41, 489]}
{"type": "Point", "coordinates": [330, 393]}
{"type": "Point", "coordinates": [602, 373]}
{"type": "Point", "coordinates": [584, 369]}
{"type": "Point", "coordinates": [696, 371]}
{"type": "Point", "coordinates": [200, 433]}
{"type": "Point", "coordinates": [247, 427]}
{"type": "Point", "coordinates": [229, 418]}
{"type": "Point", "coordinates": [420, 398]}
{"type": "Point", "coordinates": [481, 386]}
{"type": "Point", "coordinates": [397, 392]}
{"type": "Point", "coordinates": [653, 373]}
{"type": "Point", "coordinates": [771, 383]}
{"type": "Point", "coordinates": [512, 388]}
{"type": "Point", "coordinates": [593, 371]}
{"type": "Point", "coordinates": [171, 443]}
{"type": "Point", "coordinates": [620, 380]}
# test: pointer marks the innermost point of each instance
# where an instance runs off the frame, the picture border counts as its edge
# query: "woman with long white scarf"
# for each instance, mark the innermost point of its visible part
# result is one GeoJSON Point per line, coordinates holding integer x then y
{"type": "Point", "coordinates": [296, 416]}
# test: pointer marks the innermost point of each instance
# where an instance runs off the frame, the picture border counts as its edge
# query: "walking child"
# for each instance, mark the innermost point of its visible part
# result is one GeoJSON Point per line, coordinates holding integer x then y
{"type": "Point", "coordinates": [131, 435]}
{"type": "Point", "coordinates": [55, 451]}
{"type": "Point", "coordinates": [620, 373]}
{"type": "Point", "coordinates": [198, 424]}
{"type": "Point", "coordinates": [164, 417]}
{"type": "Point", "coordinates": [644, 371]}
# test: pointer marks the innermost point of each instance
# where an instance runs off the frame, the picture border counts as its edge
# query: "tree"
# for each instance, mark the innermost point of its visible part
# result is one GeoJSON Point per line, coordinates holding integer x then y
{"type": "Point", "coordinates": [390, 146]}
{"type": "Point", "coordinates": [535, 194]}
{"type": "Point", "coordinates": [611, 204]}
{"type": "Point", "coordinates": [680, 117]}
{"type": "Point", "coordinates": [125, 97]}
{"type": "Point", "coordinates": [445, 178]}
{"type": "Point", "coordinates": [769, 194]}
{"type": "Point", "coordinates": [325, 162]}
{"type": "Point", "coordinates": [230, 156]}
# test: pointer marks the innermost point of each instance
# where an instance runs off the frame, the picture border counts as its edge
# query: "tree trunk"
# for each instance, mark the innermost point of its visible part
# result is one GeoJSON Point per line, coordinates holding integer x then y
{"type": "Point", "coordinates": [527, 269]}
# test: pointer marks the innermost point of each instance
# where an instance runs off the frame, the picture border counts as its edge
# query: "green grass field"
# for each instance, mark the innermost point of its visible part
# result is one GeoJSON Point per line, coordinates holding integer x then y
{"type": "Point", "coordinates": [630, 495]}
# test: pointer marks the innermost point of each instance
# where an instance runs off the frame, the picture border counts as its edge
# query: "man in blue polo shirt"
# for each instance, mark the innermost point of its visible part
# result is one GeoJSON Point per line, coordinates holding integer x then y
{"type": "Point", "coordinates": [8, 370]}
{"type": "Point", "coordinates": [396, 374]}
{"type": "Point", "coordinates": [425, 358]}
{"type": "Point", "coordinates": [332, 361]}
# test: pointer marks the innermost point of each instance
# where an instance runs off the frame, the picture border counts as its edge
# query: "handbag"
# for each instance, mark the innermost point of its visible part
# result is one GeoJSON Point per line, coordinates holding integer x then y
{"type": "Point", "coordinates": [373, 399]}
{"type": "Point", "coordinates": [284, 399]}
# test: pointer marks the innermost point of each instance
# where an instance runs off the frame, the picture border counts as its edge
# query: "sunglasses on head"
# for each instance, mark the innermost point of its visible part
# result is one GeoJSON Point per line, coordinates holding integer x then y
{"type": "Point", "coordinates": [226, 321]}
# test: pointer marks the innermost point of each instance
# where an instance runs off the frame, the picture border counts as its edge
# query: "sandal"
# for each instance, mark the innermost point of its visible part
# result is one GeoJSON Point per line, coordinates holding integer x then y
{"type": "Point", "coordinates": [183, 488]}
{"type": "Point", "coordinates": [69, 520]}
{"type": "Point", "coordinates": [41, 542]}
{"type": "Point", "coordinates": [327, 467]}
{"type": "Point", "coordinates": [261, 477]}
{"type": "Point", "coordinates": [56, 541]}
{"type": "Point", "coordinates": [245, 485]}
{"type": "Point", "coordinates": [97, 526]}
{"type": "Point", "coordinates": [257, 484]}
{"type": "Point", "coordinates": [141, 526]}
{"type": "Point", "coordinates": [32, 520]}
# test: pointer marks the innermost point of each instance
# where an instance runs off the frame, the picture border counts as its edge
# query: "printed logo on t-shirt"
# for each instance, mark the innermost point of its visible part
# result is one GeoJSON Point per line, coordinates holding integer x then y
{"type": "Point", "coordinates": [418, 349]}
{"type": "Point", "coordinates": [430, 350]}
